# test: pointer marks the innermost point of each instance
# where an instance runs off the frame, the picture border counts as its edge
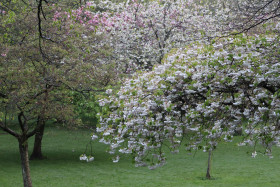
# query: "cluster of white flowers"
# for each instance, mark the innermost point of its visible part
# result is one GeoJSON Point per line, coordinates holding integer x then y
{"type": "Point", "coordinates": [86, 158]}
{"type": "Point", "coordinates": [94, 137]}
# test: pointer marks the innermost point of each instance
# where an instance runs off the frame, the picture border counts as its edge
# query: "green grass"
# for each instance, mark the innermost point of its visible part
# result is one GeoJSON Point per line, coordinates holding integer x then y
{"type": "Point", "coordinates": [232, 166]}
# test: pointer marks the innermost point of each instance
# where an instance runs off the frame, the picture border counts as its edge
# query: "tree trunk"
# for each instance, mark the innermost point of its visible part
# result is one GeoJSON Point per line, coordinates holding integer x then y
{"type": "Point", "coordinates": [23, 150]}
{"type": "Point", "coordinates": [238, 132]}
{"type": "Point", "coordinates": [37, 149]}
{"type": "Point", "coordinates": [208, 176]}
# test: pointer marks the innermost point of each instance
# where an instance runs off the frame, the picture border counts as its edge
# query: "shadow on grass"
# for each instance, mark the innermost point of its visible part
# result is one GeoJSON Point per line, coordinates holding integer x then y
{"type": "Point", "coordinates": [205, 179]}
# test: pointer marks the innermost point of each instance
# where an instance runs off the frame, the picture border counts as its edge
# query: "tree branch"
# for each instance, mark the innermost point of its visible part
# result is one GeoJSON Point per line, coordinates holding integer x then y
{"type": "Point", "coordinates": [8, 130]}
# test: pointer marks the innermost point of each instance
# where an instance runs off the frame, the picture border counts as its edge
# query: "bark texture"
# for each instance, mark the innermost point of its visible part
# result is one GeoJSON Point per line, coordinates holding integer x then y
{"type": "Point", "coordinates": [23, 149]}
{"type": "Point", "coordinates": [208, 176]}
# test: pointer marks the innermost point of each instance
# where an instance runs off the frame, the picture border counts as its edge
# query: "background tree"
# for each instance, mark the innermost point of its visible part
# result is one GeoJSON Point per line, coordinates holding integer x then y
{"type": "Point", "coordinates": [41, 65]}
{"type": "Point", "coordinates": [142, 32]}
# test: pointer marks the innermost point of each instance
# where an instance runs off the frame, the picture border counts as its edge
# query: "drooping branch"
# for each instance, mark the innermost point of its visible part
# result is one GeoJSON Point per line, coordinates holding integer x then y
{"type": "Point", "coordinates": [270, 88]}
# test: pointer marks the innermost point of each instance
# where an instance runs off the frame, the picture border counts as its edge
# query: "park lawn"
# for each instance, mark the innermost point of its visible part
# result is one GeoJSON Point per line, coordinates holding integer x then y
{"type": "Point", "coordinates": [232, 165]}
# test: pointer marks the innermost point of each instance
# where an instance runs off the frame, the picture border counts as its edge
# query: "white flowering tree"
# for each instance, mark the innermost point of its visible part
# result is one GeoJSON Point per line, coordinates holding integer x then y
{"type": "Point", "coordinates": [140, 33]}
{"type": "Point", "coordinates": [201, 93]}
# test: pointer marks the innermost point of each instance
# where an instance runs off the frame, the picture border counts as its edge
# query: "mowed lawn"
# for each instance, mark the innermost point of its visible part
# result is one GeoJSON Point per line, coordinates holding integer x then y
{"type": "Point", "coordinates": [232, 165]}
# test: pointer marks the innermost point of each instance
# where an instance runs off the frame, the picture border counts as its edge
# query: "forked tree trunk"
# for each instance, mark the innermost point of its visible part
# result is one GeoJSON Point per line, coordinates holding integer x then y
{"type": "Point", "coordinates": [37, 149]}
{"type": "Point", "coordinates": [208, 176]}
{"type": "Point", "coordinates": [23, 150]}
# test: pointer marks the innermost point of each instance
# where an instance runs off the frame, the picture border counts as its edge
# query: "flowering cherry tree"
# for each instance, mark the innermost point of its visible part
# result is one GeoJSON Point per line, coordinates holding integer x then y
{"type": "Point", "coordinates": [140, 34]}
{"type": "Point", "coordinates": [201, 93]}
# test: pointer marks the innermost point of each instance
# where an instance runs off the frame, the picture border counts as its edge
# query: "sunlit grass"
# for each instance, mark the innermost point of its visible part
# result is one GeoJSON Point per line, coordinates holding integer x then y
{"type": "Point", "coordinates": [232, 165]}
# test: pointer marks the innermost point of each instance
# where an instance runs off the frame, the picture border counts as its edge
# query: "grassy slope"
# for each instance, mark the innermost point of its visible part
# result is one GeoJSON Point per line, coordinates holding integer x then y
{"type": "Point", "coordinates": [231, 166]}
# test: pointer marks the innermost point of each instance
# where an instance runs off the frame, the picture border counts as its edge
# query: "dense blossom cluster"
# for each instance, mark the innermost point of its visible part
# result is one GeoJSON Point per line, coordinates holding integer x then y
{"type": "Point", "coordinates": [141, 33]}
{"type": "Point", "coordinates": [202, 93]}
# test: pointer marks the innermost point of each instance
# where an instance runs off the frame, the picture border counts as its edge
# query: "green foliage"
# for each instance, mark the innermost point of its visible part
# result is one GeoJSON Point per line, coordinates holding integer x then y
{"type": "Point", "coordinates": [87, 108]}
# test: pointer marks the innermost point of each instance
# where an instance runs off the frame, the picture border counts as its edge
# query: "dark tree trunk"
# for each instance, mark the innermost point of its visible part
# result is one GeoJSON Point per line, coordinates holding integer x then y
{"type": "Point", "coordinates": [238, 132]}
{"type": "Point", "coordinates": [208, 176]}
{"type": "Point", "coordinates": [37, 149]}
{"type": "Point", "coordinates": [23, 150]}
